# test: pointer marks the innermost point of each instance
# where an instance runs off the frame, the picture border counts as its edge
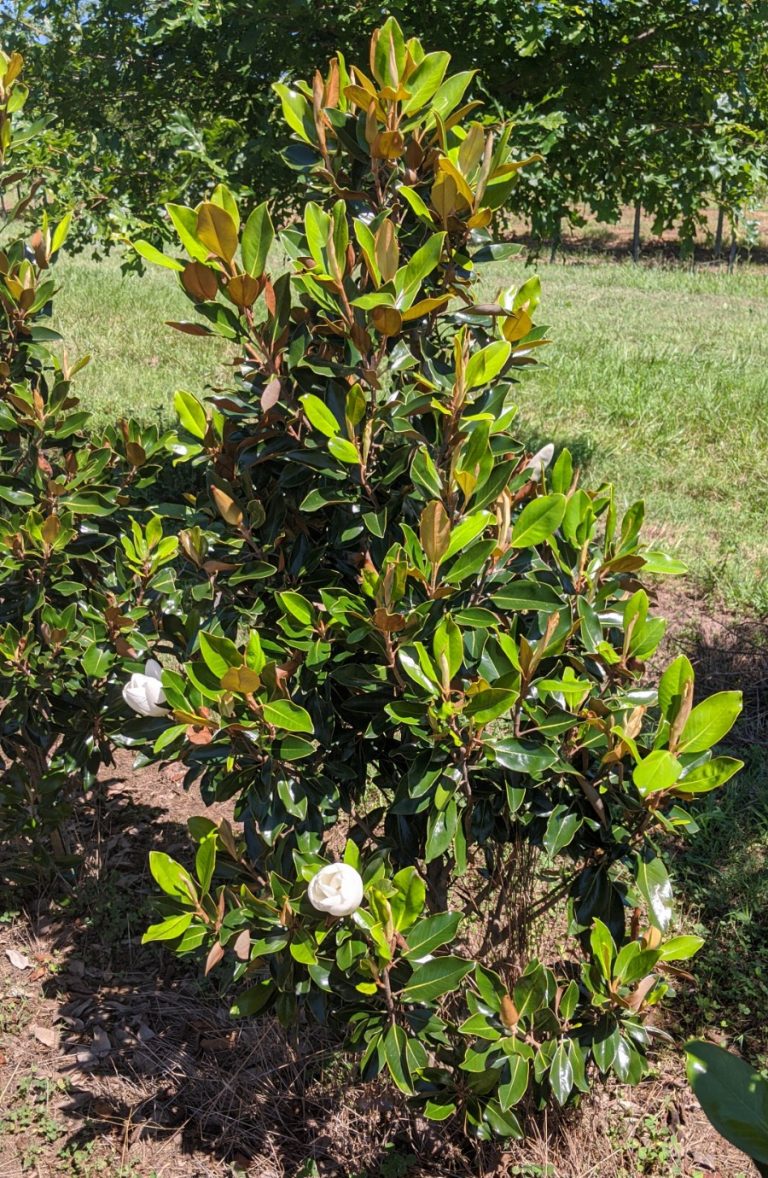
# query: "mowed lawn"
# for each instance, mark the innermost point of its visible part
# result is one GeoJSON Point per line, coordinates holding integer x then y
{"type": "Point", "coordinates": [657, 379]}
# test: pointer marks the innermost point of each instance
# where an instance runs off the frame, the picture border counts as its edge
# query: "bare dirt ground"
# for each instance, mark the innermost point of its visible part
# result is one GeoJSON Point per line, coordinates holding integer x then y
{"type": "Point", "coordinates": [602, 240]}
{"type": "Point", "coordinates": [118, 1059]}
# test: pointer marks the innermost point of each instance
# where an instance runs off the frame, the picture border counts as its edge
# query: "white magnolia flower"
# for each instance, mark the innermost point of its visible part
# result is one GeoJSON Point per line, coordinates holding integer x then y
{"type": "Point", "coordinates": [540, 461]}
{"type": "Point", "coordinates": [336, 889]}
{"type": "Point", "coordinates": [144, 692]}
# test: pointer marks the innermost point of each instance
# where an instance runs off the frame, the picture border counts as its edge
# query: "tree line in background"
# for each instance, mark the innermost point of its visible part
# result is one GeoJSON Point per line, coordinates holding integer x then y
{"type": "Point", "coordinates": [659, 104]}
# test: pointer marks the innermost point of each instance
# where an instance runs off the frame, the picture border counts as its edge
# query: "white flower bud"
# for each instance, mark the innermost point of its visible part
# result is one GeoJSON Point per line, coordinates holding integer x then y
{"type": "Point", "coordinates": [336, 889]}
{"type": "Point", "coordinates": [540, 461]}
{"type": "Point", "coordinates": [144, 692]}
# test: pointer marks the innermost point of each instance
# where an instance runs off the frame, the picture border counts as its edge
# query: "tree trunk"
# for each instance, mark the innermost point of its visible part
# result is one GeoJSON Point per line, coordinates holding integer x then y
{"type": "Point", "coordinates": [438, 880]}
{"type": "Point", "coordinates": [636, 234]}
{"type": "Point", "coordinates": [557, 237]}
{"type": "Point", "coordinates": [732, 253]}
{"type": "Point", "coordinates": [719, 231]}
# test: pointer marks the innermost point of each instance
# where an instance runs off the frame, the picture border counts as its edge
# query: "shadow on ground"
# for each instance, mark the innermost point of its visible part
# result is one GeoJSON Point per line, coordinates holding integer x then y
{"type": "Point", "coordinates": [157, 1079]}
{"type": "Point", "coordinates": [729, 653]}
{"type": "Point", "coordinates": [721, 870]}
{"type": "Point", "coordinates": [157, 1076]}
{"type": "Point", "coordinates": [610, 243]}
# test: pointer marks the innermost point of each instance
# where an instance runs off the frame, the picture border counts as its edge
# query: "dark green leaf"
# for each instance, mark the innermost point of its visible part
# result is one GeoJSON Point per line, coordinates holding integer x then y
{"type": "Point", "coordinates": [435, 978]}
{"type": "Point", "coordinates": [432, 932]}
{"type": "Point", "coordinates": [733, 1095]}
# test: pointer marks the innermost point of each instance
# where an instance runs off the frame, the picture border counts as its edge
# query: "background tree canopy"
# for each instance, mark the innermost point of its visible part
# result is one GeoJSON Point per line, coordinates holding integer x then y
{"type": "Point", "coordinates": [657, 102]}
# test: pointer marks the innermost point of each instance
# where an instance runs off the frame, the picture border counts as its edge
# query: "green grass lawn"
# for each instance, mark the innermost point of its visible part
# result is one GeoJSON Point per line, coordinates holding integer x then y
{"type": "Point", "coordinates": [137, 362]}
{"type": "Point", "coordinates": [657, 379]}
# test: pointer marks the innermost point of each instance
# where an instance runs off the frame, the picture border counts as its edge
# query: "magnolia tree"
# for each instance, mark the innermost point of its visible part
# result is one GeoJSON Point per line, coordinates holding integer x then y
{"type": "Point", "coordinates": [411, 652]}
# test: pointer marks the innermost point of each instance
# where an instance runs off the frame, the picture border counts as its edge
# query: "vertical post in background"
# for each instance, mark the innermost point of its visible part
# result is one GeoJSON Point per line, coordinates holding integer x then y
{"type": "Point", "coordinates": [557, 237]}
{"type": "Point", "coordinates": [719, 231]}
{"type": "Point", "coordinates": [636, 234]}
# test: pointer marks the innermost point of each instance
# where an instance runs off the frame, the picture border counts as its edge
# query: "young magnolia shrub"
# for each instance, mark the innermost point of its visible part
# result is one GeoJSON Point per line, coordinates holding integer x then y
{"type": "Point", "coordinates": [409, 650]}
{"type": "Point", "coordinates": [73, 589]}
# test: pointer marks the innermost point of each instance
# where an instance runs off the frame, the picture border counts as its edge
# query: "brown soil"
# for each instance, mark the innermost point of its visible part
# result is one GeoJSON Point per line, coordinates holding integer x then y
{"type": "Point", "coordinates": [729, 653]}
{"type": "Point", "coordinates": [596, 238]}
{"type": "Point", "coordinates": [117, 1058]}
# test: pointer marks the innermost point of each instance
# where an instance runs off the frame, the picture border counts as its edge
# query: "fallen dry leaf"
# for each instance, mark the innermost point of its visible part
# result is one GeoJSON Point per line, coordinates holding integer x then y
{"type": "Point", "coordinates": [101, 1042]}
{"type": "Point", "coordinates": [216, 1043]}
{"type": "Point", "coordinates": [18, 960]}
{"type": "Point", "coordinates": [46, 1035]}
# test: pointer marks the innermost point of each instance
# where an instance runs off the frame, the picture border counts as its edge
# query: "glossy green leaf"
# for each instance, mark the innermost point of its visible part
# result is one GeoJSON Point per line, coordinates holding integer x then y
{"type": "Point", "coordinates": [658, 771]}
{"type": "Point", "coordinates": [653, 881]}
{"type": "Point", "coordinates": [486, 364]}
{"type": "Point", "coordinates": [432, 932]}
{"type": "Point", "coordinates": [408, 902]}
{"type": "Point", "coordinates": [440, 976]}
{"type": "Point", "coordinates": [252, 1001]}
{"type": "Point", "coordinates": [319, 415]}
{"type": "Point", "coordinates": [287, 716]}
{"type": "Point", "coordinates": [561, 1073]}
{"type": "Point", "coordinates": [256, 242]}
{"type": "Point", "coordinates": [491, 703]}
{"type": "Point", "coordinates": [441, 829]}
{"type": "Point", "coordinates": [296, 111]}
{"type": "Point", "coordinates": [450, 93]}
{"type": "Point", "coordinates": [97, 661]}
{"type": "Point", "coordinates": [408, 280]}
{"type": "Point", "coordinates": [185, 223]}
{"type": "Point", "coordinates": [710, 721]}
{"type": "Point", "coordinates": [514, 1088]}
{"type": "Point", "coordinates": [711, 775]}
{"type": "Point", "coordinates": [530, 992]}
{"type": "Point", "coordinates": [672, 685]}
{"type": "Point", "coordinates": [171, 877]}
{"type": "Point", "coordinates": [297, 607]}
{"type": "Point", "coordinates": [395, 1054]}
{"type": "Point", "coordinates": [168, 929]}
{"type": "Point", "coordinates": [663, 565]}
{"type": "Point", "coordinates": [680, 948]}
{"type": "Point", "coordinates": [191, 413]}
{"type": "Point", "coordinates": [468, 530]}
{"type": "Point", "coordinates": [205, 860]}
{"type": "Point", "coordinates": [522, 756]}
{"type": "Point", "coordinates": [448, 646]}
{"type": "Point", "coordinates": [344, 450]}
{"type": "Point", "coordinates": [219, 653]}
{"type": "Point", "coordinates": [603, 947]}
{"type": "Point", "coordinates": [151, 254]}
{"type": "Point", "coordinates": [538, 520]}
{"type": "Point", "coordinates": [733, 1095]}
